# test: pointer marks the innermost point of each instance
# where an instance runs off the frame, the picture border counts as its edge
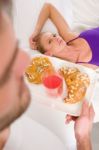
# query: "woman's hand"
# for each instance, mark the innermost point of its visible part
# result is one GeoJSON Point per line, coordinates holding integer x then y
{"type": "Point", "coordinates": [83, 123]}
{"type": "Point", "coordinates": [42, 18]}
{"type": "Point", "coordinates": [32, 42]}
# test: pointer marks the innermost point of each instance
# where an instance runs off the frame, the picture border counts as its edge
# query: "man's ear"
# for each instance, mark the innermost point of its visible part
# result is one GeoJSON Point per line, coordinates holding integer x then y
{"type": "Point", "coordinates": [48, 53]}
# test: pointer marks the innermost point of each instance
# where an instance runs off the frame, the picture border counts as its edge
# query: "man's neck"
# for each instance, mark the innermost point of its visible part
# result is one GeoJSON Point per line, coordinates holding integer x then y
{"type": "Point", "coordinates": [4, 137]}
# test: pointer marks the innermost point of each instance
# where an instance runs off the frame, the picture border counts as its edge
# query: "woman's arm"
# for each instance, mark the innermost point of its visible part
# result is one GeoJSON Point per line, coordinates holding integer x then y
{"type": "Point", "coordinates": [88, 65]}
{"type": "Point", "coordinates": [49, 11]}
{"type": "Point", "coordinates": [61, 24]}
{"type": "Point", "coordinates": [42, 18]}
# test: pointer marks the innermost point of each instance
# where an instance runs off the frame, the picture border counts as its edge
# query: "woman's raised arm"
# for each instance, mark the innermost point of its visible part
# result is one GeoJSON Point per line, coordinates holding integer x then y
{"type": "Point", "coordinates": [49, 11]}
{"type": "Point", "coordinates": [43, 16]}
{"type": "Point", "coordinates": [61, 24]}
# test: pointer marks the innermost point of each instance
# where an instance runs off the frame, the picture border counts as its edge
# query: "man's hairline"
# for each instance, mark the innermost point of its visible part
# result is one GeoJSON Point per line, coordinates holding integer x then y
{"type": "Point", "coordinates": [6, 5]}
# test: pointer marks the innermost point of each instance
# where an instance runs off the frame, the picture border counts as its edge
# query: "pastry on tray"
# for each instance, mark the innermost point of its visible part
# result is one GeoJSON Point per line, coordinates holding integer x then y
{"type": "Point", "coordinates": [77, 84]}
{"type": "Point", "coordinates": [39, 67]}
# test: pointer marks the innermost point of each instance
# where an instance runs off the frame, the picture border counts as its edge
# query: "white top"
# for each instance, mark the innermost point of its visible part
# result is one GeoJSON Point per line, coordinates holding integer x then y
{"type": "Point", "coordinates": [26, 134]}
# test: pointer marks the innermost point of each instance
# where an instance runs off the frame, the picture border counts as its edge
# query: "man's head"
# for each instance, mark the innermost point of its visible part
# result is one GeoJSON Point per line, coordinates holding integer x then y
{"type": "Point", "coordinates": [14, 95]}
{"type": "Point", "coordinates": [49, 43]}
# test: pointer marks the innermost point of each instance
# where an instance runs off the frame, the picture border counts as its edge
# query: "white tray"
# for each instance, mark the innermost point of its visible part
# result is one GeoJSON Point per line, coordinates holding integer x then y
{"type": "Point", "coordinates": [40, 96]}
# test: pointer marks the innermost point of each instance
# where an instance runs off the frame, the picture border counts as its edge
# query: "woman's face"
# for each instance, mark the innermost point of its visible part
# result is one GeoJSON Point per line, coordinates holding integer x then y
{"type": "Point", "coordinates": [52, 43]}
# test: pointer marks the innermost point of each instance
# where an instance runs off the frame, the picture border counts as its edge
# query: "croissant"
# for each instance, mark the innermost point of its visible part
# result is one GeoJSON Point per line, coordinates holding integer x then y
{"type": "Point", "coordinates": [77, 84]}
{"type": "Point", "coordinates": [39, 67]}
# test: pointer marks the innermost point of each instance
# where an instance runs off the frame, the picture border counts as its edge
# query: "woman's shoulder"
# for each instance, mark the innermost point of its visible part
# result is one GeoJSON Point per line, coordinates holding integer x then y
{"type": "Point", "coordinates": [69, 35]}
{"type": "Point", "coordinates": [72, 36]}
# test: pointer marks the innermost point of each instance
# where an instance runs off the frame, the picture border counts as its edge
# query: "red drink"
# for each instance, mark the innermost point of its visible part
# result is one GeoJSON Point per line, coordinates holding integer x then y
{"type": "Point", "coordinates": [53, 84]}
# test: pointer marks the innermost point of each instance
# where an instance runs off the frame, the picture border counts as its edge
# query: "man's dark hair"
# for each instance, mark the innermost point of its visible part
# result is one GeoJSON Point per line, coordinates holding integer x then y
{"type": "Point", "coordinates": [6, 5]}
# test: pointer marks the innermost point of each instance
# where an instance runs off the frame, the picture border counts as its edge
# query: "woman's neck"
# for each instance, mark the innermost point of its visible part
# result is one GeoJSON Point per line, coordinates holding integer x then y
{"type": "Point", "coordinates": [69, 53]}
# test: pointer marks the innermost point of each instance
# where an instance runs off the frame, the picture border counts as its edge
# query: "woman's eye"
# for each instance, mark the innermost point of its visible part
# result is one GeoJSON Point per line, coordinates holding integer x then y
{"type": "Point", "coordinates": [50, 41]}
{"type": "Point", "coordinates": [54, 35]}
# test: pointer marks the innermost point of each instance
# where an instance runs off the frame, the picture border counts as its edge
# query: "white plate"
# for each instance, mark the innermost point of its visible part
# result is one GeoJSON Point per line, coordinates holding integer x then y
{"type": "Point", "coordinates": [39, 95]}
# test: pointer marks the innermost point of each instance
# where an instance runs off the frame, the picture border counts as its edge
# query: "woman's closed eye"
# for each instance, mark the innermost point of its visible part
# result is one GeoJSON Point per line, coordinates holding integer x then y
{"type": "Point", "coordinates": [54, 35]}
{"type": "Point", "coordinates": [50, 41]}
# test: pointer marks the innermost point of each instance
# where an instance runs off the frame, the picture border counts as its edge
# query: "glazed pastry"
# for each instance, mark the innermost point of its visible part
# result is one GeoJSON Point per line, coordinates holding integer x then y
{"type": "Point", "coordinates": [39, 67]}
{"type": "Point", "coordinates": [77, 84]}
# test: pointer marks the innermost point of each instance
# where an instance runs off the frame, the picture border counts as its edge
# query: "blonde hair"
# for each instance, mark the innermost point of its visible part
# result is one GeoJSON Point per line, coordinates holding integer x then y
{"type": "Point", "coordinates": [37, 39]}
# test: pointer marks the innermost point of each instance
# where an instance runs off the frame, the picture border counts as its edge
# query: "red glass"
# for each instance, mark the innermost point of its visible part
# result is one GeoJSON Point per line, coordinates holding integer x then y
{"type": "Point", "coordinates": [53, 85]}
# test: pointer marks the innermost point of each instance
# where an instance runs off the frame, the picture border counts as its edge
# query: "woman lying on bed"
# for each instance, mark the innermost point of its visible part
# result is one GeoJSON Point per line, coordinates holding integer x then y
{"type": "Point", "coordinates": [83, 48]}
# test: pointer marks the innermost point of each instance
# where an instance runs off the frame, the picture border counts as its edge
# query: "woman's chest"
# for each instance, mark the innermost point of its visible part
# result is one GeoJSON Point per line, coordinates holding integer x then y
{"type": "Point", "coordinates": [85, 53]}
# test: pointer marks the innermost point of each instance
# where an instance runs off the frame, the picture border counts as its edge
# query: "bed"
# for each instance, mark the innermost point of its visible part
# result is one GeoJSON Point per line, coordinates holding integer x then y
{"type": "Point", "coordinates": [25, 16]}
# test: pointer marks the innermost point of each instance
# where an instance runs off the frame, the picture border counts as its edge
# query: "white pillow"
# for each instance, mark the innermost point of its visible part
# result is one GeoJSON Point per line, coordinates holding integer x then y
{"type": "Point", "coordinates": [26, 13]}
{"type": "Point", "coordinates": [85, 14]}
